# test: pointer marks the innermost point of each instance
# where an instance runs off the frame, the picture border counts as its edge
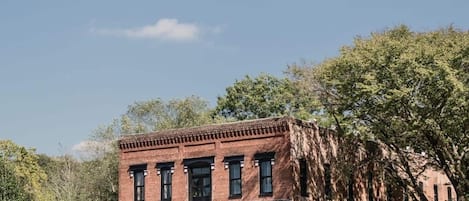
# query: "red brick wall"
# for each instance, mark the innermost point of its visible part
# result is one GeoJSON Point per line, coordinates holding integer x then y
{"type": "Point", "coordinates": [247, 146]}
{"type": "Point", "coordinates": [295, 141]}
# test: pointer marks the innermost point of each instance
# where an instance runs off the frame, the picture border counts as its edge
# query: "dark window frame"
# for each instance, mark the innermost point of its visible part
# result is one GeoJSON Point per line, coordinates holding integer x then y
{"type": "Point", "coordinates": [303, 177]}
{"type": "Point", "coordinates": [166, 169]}
{"type": "Point", "coordinates": [265, 159]}
{"type": "Point", "coordinates": [166, 172]}
{"type": "Point", "coordinates": [435, 192]}
{"type": "Point", "coordinates": [370, 186]}
{"type": "Point", "coordinates": [350, 186]}
{"type": "Point", "coordinates": [233, 161]}
{"type": "Point", "coordinates": [139, 170]}
{"type": "Point", "coordinates": [201, 177]}
{"type": "Point", "coordinates": [265, 177]}
{"type": "Point", "coordinates": [450, 193]}
{"type": "Point", "coordinates": [231, 165]}
{"type": "Point", "coordinates": [199, 163]}
{"type": "Point", "coordinates": [327, 181]}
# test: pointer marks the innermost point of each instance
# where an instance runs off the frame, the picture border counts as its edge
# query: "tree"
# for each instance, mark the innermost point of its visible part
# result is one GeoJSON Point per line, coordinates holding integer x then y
{"type": "Point", "coordinates": [264, 96]}
{"type": "Point", "coordinates": [99, 170]}
{"type": "Point", "coordinates": [156, 114]}
{"type": "Point", "coordinates": [63, 179]}
{"type": "Point", "coordinates": [30, 177]}
{"type": "Point", "coordinates": [10, 187]}
{"type": "Point", "coordinates": [403, 88]}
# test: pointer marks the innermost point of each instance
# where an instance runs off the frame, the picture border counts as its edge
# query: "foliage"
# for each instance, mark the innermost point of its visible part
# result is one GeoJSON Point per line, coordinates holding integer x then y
{"type": "Point", "coordinates": [10, 187]}
{"type": "Point", "coordinates": [404, 88]}
{"type": "Point", "coordinates": [64, 180]}
{"type": "Point", "coordinates": [97, 176]}
{"type": "Point", "coordinates": [157, 114]}
{"type": "Point", "coordinates": [264, 96]}
{"type": "Point", "coordinates": [24, 164]}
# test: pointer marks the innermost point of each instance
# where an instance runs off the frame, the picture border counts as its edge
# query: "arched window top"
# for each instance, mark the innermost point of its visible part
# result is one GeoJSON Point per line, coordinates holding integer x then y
{"type": "Point", "coordinates": [199, 161]}
{"type": "Point", "coordinates": [266, 155]}
{"type": "Point", "coordinates": [138, 167]}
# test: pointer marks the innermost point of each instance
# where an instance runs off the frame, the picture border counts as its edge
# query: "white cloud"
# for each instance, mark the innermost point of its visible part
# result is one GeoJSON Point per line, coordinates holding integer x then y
{"type": "Point", "coordinates": [163, 29]}
{"type": "Point", "coordinates": [90, 148]}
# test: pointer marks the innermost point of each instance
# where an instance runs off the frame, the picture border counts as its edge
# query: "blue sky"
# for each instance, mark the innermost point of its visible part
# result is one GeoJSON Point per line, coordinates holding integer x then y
{"type": "Point", "coordinates": [67, 67]}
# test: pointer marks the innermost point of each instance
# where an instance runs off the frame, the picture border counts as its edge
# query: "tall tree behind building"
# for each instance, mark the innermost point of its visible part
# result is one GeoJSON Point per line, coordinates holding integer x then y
{"type": "Point", "coordinates": [264, 96]}
{"type": "Point", "coordinates": [403, 88]}
{"type": "Point", "coordinates": [99, 172]}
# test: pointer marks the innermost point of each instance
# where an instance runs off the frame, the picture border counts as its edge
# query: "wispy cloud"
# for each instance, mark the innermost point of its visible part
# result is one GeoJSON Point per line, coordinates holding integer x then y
{"type": "Point", "coordinates": [163, 29]}
{"type": "Point", "coordinates": [90, 148]}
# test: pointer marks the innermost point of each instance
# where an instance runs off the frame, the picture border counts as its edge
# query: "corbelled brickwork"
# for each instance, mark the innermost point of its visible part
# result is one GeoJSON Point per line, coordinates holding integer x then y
{"type": "Point", "coordinates": [287, 140]}
{"type": "Point", "coordinates": [243, 138]}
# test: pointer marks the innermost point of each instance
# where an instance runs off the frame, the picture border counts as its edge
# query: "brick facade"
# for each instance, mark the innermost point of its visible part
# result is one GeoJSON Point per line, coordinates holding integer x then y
{"type": "Point", "coordinates": [290, 141]}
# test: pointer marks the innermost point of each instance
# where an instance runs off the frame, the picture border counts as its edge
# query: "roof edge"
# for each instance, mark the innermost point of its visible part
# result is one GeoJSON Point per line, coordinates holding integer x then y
{"type": "Point", "coordinates": [208, 132]}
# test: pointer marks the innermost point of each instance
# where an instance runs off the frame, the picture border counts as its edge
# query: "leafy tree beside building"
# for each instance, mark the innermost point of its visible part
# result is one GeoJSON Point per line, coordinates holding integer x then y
{"type": "Point", "coordinates": [264, 96]}
{"type": "Point", "coordinates": [405, 89]}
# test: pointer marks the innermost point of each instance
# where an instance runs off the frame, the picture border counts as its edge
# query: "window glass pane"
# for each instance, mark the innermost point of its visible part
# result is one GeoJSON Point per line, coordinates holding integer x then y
{"type": "Point", "coordinates": [328, 182]}
{"type": "Point", "coordinates": [196, 171]}
{"type": "Point", "coordinates": [206, 181]}
{"type": "Point", "coordinates": [139, 178]}
{"type": "Point", "coordinates": [139, 193]}
{"type": "Point", "coordinates": [235, 186]}
{"type": "Point", "coordinates": [266, 168]}
{"type": "Point", "coordinates": [207, 191]}
{"type": "Point", "coordinates": [200, 182]}
{"type": "Point", "coordinates": [200, 171]}
{"type": "Point", "coordinates": [370, 186]}
{"type": "Point", "coordinates": [303, 177]}
{"type": "Point", "coordinates": [166, 176]}
{"type": "Point", "coordinates": [267, 185]}
{"type": "Point", "coordinates": [196, 191]}
{"type": "Point", "coordinates": [450, 196]}
{"type": "Point", "coordinates": [235, 171]}
{"type": "Point", "coordinates": [166, 191]}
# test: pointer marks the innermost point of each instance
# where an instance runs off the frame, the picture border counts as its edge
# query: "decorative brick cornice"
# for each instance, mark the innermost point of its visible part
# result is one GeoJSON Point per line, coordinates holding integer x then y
{"type": "Point", "coordinates": [235, 130]}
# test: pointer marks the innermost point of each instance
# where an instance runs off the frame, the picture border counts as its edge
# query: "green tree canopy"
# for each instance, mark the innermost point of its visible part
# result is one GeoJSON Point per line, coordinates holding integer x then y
{"type": "Point", "coordinates": [404, 88]}
{"type": "Point", "coordinates": [264, 96]}
{"type": "Point", "coordinates": [99, 172]}
{"type": "Point", "coordinates": [156, 114]}
{"type": "Point", "coordinates": [10, 186]}
{"type": "Point", "coordinates": [26, 170]}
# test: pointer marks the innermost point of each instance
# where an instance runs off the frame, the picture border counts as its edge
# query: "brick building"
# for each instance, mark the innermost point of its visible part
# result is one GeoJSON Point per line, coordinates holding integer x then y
{"type": "Point", "coordinates": [264, 159]}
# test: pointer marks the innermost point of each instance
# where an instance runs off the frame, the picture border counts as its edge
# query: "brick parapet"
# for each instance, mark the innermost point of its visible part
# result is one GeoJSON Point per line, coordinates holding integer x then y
{"type": "Point", "coordinates": [205, 134]}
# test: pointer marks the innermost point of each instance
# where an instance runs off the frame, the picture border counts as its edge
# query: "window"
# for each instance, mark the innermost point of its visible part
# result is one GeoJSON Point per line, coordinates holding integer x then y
{"type": "Point", "coordinates": [235, 179]}
{"type": "Point", "coordinates": [370, 186]}
{"type": "Point", "coordinates": [435, 192]}
{"type": "Point", "coordinates": [303, 177]}
{"type": "Point", "coordinates": [166, 180]}
{"type": "Point", "coordinates": [139, 186]}
{"type": "Point", "coordinates": [200, 181]}
{"type": "Point", "coordinates": [351, 183]}
{"type": "Point", "coordinates": [266, 177]}
{"type": "Point", "coordinates": [138, 172]}
{"type": "Point", "coordinates": [165, 170]}
{"type": "Point", "coordinates": [200, 178]}
{"type": "Point", "coordinates": [234, 164]}
{"type": "Point", "coordinates": [327, 181]}
{"type": "Point", "coordinates": [265, 161]}
{"type": "Point", "coordinates": [450, 195]}
{"type": "Point", "coordinates": [421, 185]}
